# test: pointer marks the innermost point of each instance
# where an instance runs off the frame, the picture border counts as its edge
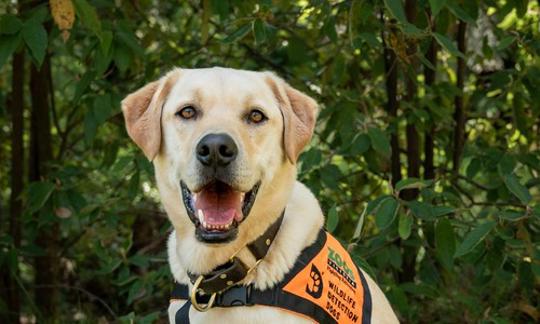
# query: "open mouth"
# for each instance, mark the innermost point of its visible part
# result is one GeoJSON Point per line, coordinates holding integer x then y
{"type": "Point", "coordinates": [217, 209]}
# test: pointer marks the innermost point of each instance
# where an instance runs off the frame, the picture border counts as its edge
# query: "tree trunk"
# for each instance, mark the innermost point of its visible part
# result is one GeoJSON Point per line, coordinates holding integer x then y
{"type": "Point", "coordinates": [391, 67]}
{"type": "Point", "coordinates": [429, 78]}
{"type": "Point", "coordinates": [413, 140]}
{"type": "Point", "coordinates": [40, 155]}
{"type": "Point", "coordinates": [17, 174]}
{"type": "Point", "coordinates": [459, 113]}
{"type": "Point", "coordinates": [408, 271]}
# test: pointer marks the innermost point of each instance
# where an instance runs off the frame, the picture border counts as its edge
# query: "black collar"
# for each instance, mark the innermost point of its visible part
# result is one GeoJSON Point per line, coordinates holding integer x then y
{"type": "Point", "coordinates": [234, 271]}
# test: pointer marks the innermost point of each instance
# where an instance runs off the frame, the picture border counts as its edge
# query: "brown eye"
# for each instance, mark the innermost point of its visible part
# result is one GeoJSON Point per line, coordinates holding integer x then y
{"type": "Point", "coordinates": [187, 112]}
{"type": "Point", "coordinates": [256, 116]}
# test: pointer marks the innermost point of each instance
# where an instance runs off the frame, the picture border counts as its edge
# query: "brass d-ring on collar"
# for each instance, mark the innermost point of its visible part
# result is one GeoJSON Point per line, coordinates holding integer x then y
{"type": "Point", "coordinates": [193, 297]}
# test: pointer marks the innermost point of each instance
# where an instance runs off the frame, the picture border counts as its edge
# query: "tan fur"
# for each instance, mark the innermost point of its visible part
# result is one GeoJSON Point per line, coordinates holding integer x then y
{"type": "Point", "coordinates": [267, 153]}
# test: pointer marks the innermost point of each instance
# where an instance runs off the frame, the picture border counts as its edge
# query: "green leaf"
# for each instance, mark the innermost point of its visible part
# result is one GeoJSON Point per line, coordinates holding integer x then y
{"type": "Point", "coordinates": [405, 225]}
{"type": "Point", "coordinates": [380, 143]}
{"type": "Point", "coordinates": [122, 56]}
{"type": "Point", "coordinates": [88, 16]}
{"type": "Point", "coordinates": [8, 46]}
{"type": "Point", "coordinates": [332, 219]}
{"type": "Point", "coordinates": [149, 318]}
{"type": "Point", "coordinates": [412, 30]}
{"type": "Point", "coordinates": [536, 211]}
{"type": "Point", "coordinates": [396, 10]}
{"type": "Point", "coordinates": [82, 84]}
{"type": "Point", "coordinates": [259, 31]}
{"type": "Point", "coordinates": [519, 190]}
{"type": "Point", "coordinates": [134, 291]}
{"type": "Point", "coordinates": [10, 24]}
{"type": "Point", "coordinates": [221, 7]}
{"type": "Point", "coordinates": [425, 61]}
{"type": "Point", "coordinates": [473, 168]}
{"type": "Point", "coordinates": [106, 40]}
{"type": "Point", "coordinates": [360, 145]}
{"type": "Point", "coordinates": [421, 210]}
{"type": "Point", "coordinates": [386, 213]}
{"type": "Point", "coordinates": [90, 126]}
{"type": "Point", "coordinates": [237, 34]}
{"type": "Point", "coordinates": [445, 242]}
{"type": "Point", "coordinates": [359, 225]}
{"type": "Point", "coordinates": [474, 237]}
{"type": "Point", "coordinates": [102, 108]}
{"type": "Point", "coordinates": [38, 15]}
{"type": "Point", "coordinates": [133, 185]}
{"type": "Point", "coordinates": [448, 44]}
{"type": "Point", "coordinates": [438, 211]}
{"type": "Point", "coordinates": [140, 260]}
{"type": "Point", "coordinates": [506, 165]}
{"type": "Point", "coordinates": [38, 194]}
{"type": "Point", "coordinates": [374, 205]}
{"type": "Point", "coordinates": [460, 13]}
{"type": "Point", "coordinates": [411, 183]}
{"type": "Point", "coordinates": [35, 37]}
{"type": "Point", "coordinates": [427, 211]}
{"type": "Point", "coordinates": [505, 42]}
{"type": "Point", "coordinates": [329, 29]}
{"type": "Point", "coordinates": [436, 6]}
{"type": "Point", "coordinates": [511, 215]}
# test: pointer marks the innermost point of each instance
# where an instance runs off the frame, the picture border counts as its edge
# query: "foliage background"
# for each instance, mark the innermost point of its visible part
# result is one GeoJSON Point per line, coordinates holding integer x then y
{"type": "Point", "coordinates": [426, 154]}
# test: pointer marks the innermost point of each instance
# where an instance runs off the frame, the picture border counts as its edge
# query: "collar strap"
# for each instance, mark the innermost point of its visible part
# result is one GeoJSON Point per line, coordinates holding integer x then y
{"type": "Point", "coordinates": [234, 271]}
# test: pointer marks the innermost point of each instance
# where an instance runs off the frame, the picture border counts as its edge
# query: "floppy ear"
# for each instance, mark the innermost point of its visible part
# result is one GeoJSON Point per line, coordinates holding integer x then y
{"type": "Point", "coordinates": [142, 113]}
{"type": "Point", "coordinates": [299, 113]}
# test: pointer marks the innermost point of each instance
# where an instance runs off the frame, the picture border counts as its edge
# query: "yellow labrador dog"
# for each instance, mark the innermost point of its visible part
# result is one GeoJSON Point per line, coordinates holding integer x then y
{"type": "Point", "coordinates": [248, 244]}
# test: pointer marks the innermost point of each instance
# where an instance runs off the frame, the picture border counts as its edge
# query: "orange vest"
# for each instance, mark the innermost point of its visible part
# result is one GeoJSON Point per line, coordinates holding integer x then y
{"type": "Point", "coordinates": [324, 285]}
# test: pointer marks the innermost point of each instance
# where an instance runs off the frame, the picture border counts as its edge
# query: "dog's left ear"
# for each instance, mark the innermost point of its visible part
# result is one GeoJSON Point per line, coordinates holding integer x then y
{"type": "Point", "coordinates": [142, 113]}
{"type": "Point", "coordinates": [299, 113]}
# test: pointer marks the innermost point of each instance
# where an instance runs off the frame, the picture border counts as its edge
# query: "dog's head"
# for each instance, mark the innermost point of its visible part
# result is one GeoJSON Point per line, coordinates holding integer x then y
{"type": "Point", "coordinates": [221, 140]}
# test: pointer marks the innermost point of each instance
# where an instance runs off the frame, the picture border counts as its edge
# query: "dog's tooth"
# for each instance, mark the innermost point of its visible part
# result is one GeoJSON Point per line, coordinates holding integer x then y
{"type": "Point", "coordinates": [200, 213]}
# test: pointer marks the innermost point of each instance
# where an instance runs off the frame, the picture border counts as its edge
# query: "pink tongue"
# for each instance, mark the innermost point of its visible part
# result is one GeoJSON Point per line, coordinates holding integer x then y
{"type": "Point", "coordinates": [219, 208]}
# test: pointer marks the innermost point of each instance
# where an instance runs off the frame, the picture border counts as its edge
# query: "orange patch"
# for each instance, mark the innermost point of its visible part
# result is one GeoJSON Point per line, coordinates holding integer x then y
{"type": "Point", "coordinates": [331, 280]}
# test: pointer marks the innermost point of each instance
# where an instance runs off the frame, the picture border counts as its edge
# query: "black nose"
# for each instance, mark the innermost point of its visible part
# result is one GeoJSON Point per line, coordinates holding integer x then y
{"type": "Point", "coordinates": [216, 150]}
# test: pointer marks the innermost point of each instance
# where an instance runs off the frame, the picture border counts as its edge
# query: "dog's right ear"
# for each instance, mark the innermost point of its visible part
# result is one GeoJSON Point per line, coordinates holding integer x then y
{"type": "Point", "coordinates": [142, 113]}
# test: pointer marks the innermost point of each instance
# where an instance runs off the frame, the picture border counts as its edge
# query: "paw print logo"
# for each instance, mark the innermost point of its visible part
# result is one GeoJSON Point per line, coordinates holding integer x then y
{"type": "Point", "coordinates": [315, 285]}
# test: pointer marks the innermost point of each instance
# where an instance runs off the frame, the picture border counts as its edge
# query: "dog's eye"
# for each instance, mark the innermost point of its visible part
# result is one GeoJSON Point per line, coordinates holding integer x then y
{"type": "Point", "coordinates": [256, 116]}
{"type": "Point", "coordinates": [187, 112]}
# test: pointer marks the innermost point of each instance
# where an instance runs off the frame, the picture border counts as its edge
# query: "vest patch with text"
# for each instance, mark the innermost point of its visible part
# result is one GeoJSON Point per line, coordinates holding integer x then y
{"type": "Point", "coordinates": [332, 281]}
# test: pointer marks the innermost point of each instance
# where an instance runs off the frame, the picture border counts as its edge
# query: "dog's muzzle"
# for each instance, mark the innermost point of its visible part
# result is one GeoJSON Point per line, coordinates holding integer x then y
{"type": "Point", "coordinates": [216, 206]}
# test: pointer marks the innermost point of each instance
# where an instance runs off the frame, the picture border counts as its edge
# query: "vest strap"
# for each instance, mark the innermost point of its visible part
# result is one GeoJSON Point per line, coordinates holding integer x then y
{"type": "Point", "coordinates": [247, 295]}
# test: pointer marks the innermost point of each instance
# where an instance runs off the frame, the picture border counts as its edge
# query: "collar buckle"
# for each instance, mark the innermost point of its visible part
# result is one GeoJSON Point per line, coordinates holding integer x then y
{"type": "Point", "coordinates": [193, 297]}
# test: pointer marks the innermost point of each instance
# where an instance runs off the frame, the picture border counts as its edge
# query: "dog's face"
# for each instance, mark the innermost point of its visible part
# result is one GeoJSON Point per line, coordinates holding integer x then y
{"type": "Point", "coordinates": [222, 141]}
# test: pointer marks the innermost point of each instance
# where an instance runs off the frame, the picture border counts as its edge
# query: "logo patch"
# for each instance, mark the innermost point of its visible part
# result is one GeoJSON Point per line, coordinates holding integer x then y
{"type": "Point", "coordinates": [315, 286]}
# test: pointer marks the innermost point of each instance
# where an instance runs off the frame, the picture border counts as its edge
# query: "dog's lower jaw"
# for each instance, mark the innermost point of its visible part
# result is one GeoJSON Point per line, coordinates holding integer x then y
{"type": "Point", "coordinates": [216, 237]}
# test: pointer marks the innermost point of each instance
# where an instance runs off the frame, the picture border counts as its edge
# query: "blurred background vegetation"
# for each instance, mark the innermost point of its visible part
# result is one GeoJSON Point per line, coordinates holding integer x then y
{"type": "Point", "coordinates": [425, 158]}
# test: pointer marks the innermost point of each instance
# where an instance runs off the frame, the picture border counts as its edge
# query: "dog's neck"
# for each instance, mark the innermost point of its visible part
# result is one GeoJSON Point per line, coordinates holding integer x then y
{"type": "Point", "coordinates": [302, 221]}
